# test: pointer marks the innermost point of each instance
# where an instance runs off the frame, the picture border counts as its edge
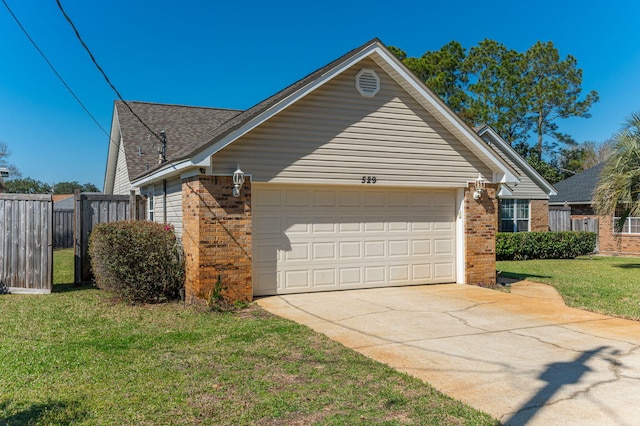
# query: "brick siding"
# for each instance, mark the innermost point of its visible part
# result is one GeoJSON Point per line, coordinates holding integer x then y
{"type": "Point", "coordinates": [216, 238]}
{"type": "Point", "coordinates": [616, 244]}
{"type": "Point", "coordinates": [480, 227]}
{"type": "Point", "coordinates": [539, 215]}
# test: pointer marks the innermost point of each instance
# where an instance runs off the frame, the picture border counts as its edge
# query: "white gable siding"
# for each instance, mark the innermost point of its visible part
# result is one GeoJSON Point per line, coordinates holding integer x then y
{"type": "Point", "coordinates": [121, 184]}
{"type": "Point", "coordinates": [527, 188]}
{"type": "Point", "coordinates": [336, 136]}
{"type": "Point", "coordinates": [174, 205]}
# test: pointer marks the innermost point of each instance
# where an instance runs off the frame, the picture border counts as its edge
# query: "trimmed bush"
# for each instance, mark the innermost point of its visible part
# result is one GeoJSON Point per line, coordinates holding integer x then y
{"type": "Point", "coordinates": [544, 245]}
{"type": "Point", "coordinates": [139, 261]}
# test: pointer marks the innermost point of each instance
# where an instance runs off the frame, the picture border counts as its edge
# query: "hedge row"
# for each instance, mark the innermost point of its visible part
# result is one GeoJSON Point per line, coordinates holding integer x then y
{"type": "Point", "coordinates": [139, 261]}
{"type": "Point", "coordinates": [544, 245]}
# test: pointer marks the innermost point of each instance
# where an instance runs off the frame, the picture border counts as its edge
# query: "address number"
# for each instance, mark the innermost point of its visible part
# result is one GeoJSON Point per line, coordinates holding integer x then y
{"type": "Point", "coordinates": [369, 179]}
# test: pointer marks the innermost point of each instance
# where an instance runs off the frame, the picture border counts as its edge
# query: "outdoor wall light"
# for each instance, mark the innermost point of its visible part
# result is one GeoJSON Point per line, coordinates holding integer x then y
{"type": "Point", "coordinates": [238, 181]}
{"type": "Point", "coordinates": [480, 187]}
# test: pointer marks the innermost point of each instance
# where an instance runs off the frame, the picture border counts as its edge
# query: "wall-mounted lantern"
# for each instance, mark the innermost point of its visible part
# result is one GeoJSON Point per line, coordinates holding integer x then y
{"type": "Point", "coordinates": [238, 181]}
{"type": "Point", "coordinates": [480, 187]}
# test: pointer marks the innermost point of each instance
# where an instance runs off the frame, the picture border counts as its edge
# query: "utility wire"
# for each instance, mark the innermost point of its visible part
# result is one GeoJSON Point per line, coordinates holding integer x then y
{"type": "Point", "coordinates": [93, 59]}
{"type": "Point", "coordinates": [15, 18]}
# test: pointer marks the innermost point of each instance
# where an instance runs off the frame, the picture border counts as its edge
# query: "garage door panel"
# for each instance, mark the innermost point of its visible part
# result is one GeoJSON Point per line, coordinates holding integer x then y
{"type": "Point", "coordinates": [443, 270]}
{"type": "Point", "coordinates": [375, 275]}
{"type": "Point", "coordinates": [324, 251]}
{"type": "Point", "coordinates": [350, 276]}
{"type": "Point", "coordinates": [350, 249]}
{"type": "Point", "coordinates": [398, 248]}
{"type": "Point", "coordinates": [374, 248]}
{"type": "Point", "coordinates": [399, 273]}
{"type": "Point", "coordinates": [312, 239]}
{"type": "Point", "coordinates": [297, 252]}
{"type": "Point", "coordinates": [443, 246]}
{"type": "Point", "coordinates": [295, 198]}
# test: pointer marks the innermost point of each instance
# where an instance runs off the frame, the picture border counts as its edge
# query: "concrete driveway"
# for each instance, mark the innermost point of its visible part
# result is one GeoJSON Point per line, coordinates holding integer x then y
{"type": "Point", "coordinates": [523, 357]}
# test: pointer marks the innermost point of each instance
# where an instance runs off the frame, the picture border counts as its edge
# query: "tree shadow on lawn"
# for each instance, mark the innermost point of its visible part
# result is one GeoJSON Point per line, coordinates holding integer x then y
{"type": "Point", "coordinates": [520, 277]}
{"type": "Point", "coordinates": [68, 287]}
{"type": "Point", "coordinates": [51, 412]}
{"type": "Point", "coordinates": [628, 266]}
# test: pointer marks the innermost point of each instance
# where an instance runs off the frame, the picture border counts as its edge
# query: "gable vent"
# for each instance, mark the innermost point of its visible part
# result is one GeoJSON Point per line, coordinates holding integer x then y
{"type": "Point", "coordinates": [367, 82]}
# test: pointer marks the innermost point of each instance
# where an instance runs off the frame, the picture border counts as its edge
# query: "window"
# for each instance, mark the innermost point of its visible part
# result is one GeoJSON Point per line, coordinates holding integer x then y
{"type": "Point", "coordinates": [514, 215]}
{"type": "Point", "coordinates": [150, 205]}
{"type": "Point", "coordinates": [631, 225]}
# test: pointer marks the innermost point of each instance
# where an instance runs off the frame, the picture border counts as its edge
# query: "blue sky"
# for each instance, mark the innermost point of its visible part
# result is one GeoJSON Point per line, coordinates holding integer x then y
{"type": "Point", "coordinates": [235, 54]}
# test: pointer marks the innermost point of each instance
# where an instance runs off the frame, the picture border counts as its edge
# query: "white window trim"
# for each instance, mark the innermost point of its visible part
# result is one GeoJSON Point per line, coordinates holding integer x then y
{"type": "Point", "coordinates": [151, 205]}
{"type": "Point", "coordinates": [515, 214]}
{"type": "Point", "coordinates": [626, 230]}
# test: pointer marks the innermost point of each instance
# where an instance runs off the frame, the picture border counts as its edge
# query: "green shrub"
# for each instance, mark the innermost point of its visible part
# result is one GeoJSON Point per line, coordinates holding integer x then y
{"type": "Point", "coordinates": [139, 261]}
{"type": "Point", "coordinates": [544, 245]}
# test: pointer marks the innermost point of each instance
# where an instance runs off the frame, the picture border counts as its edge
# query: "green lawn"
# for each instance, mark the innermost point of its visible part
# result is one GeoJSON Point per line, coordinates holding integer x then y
{"type": "Point", "coordinates": [607, 285]}
{"type": "Point", "coordinates": [78, 357]}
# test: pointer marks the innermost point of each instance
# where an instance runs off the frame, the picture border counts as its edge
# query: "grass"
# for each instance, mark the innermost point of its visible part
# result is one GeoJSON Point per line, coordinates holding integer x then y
{"type": "Point", "coordinates": [607, 285]}
{"type": "Point", "coordinates": [78, 357]}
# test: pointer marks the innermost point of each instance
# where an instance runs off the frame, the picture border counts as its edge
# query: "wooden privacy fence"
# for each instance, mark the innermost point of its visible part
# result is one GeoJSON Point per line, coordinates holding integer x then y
{"type": "Point", "coordinates": [560, 220]}
{"type": "Point", "coordinates": [91, 209]}
{"type": "Point", "coordinates": [26, 243]}
{"type": "Point", "coordinates": [62, 229]}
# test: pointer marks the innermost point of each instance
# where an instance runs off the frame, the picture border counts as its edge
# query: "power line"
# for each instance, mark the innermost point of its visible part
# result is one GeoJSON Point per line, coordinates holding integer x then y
{"type": "Point", "coordinates": [15, 18]}
{"type": "Point", "coordinates": [93, 59]}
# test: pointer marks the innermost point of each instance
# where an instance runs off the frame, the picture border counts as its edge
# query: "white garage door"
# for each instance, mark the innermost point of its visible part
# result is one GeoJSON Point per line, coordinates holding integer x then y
{"type": "Point", "coordinates": [308, 238]}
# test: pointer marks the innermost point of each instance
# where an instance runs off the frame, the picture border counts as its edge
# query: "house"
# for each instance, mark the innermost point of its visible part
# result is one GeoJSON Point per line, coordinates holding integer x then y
{"type": "Point", "coordinates": [355, 176]}
{"type": "Point", "coordinates": [524, 205]}
{"type": "Point", "coordinates": [576, 194]}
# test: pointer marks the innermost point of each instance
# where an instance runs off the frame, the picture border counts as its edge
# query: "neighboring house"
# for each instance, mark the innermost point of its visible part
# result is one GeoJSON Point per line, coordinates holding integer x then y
{"type": "Point", "coordinates": [524, 205]}
{"type": "Point", "coordinates": [63, 202]}
{"type": "Point", "coordinates": [355, 176]}
{"type": "Point", "coordinates": [576, 193]}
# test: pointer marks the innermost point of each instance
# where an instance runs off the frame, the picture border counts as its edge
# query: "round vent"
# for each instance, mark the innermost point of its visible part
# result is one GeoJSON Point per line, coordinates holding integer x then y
{"type": "Point", "coordinates": [367, 82]}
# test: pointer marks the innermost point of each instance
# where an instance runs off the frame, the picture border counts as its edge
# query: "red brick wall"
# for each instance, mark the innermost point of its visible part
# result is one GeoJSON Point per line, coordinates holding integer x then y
{"type": "Point", "coordinates": [616, 244]}
{"type": "Point", "coordinates": [539, 214]}
{"type": "Point", "coordinates": [216, 238]}
{"type": "Point", "coordinates": [480, 227]}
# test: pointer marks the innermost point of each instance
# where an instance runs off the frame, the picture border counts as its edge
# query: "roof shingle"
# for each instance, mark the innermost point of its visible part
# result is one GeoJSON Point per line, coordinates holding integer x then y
{"type": "Point", "coordinates": [183, 125]}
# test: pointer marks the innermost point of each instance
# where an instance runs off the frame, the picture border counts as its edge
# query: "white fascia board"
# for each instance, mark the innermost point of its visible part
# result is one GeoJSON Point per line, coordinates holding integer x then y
{"type": "Point", "coordinates": [504, 171]}
{"type": "Point", "coordinates": [516, 158]}
{"type": "Point", "coordinates": [202, 159]}
{"type": "Point", "coordinates": [163, 173]}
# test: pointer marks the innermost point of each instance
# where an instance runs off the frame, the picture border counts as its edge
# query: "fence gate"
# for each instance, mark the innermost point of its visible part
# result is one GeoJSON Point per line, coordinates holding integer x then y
{"type": "Point", "coordinates": [91, 209]}
{"type": "Point", "coordinates": [26, 243]}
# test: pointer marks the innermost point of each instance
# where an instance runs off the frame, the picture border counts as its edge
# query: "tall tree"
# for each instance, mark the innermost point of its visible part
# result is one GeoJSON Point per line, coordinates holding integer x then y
{"type": "Point", "coordinates": [70, 187]}
{"type": "Point", "coordinates": [618, 191]}
{"type": "Point", "coordinates": [555, 87]}
{"type": "Point", "coordinates": [13, 170]}
{"type": "Point", "coordinates": [443, 72]}
{"type": "Point", "coordinates": [27, 186]}
{"type": "Point", "coordinates": [498, 90]}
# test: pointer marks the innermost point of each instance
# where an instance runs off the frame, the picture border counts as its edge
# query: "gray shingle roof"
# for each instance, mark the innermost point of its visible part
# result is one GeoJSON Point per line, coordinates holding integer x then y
{"type": "Point", "coordinates": [578, 188]}
{"type": "Point", "coordinates": [183, 125]}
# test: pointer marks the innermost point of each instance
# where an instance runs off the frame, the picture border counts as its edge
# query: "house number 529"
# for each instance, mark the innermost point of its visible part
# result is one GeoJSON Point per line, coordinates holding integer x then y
{"type": "Point", "coordinates": [369, 179]}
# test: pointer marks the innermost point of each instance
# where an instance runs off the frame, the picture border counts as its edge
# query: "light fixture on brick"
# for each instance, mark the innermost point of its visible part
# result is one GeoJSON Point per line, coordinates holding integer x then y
{"type": "Point", "coordinates": [238, 181]}
{"type": "Point", "coordinates": [479, 187]}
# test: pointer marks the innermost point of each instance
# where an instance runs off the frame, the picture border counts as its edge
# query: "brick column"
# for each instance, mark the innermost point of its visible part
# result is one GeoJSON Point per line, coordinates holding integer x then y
{"type": "Point", "coordinates": [216, 238]}
{"type": "Point", "coordinates": [539, 215]}
{"type": "Point", "coordinates": [480, 227]}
